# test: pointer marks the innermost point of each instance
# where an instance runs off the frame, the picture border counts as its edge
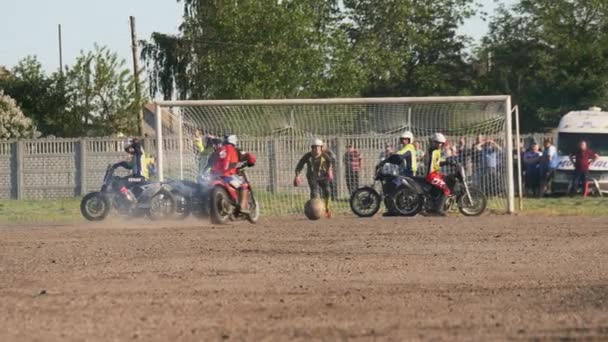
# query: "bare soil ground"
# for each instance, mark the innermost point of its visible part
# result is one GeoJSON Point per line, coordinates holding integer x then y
{"type": "Point", "coordinates": [486, 278]}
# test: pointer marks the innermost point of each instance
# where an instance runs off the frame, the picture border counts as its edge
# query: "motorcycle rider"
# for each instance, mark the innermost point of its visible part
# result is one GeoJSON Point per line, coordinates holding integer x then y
{"type": "Point", "coordinates": [408, 151]}
{"type": "Point", "coordinates": [227, 165]}
{"type": "Point", "coordinates": [319, 172]}
{"type": "Point", "coordinates": [435, 177]}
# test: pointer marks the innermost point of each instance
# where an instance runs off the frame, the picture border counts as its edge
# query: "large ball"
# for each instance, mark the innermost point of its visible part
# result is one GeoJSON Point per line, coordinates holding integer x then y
{"type": "Point", "coordinates": [314, 208]}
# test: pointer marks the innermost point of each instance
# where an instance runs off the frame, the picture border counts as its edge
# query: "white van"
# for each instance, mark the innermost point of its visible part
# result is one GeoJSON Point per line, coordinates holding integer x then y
{"type": "Point", "coordinates": [589, 125]}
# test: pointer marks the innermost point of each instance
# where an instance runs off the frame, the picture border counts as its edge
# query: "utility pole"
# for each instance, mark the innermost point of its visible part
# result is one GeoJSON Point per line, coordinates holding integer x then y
{"type": "Point", "coordinates": [140, 128]}
{"type": "Point", "coordinates": [60, 52]}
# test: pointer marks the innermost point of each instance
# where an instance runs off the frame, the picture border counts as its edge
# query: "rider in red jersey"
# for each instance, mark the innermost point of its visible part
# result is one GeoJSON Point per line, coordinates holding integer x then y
{"type": "Point", "coordinates": [226, 166]}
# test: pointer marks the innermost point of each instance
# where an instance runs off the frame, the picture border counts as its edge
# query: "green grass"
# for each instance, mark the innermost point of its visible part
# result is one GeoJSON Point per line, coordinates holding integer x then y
{"type": "Point", "coordinates": [31, 211]}
{"type": "Point", "coordinates": [68, 210]}
{"type": "Point", "coordinates": [577, 206]}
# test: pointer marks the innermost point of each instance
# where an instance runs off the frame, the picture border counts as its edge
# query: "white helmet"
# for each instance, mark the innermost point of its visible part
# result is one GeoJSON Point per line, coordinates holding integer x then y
{"type": "Point", "coordinates": [231, 139]}
{"type": "Point", "coordinates": [438, 137]}
{"type": "Point", "coordinates": [407, 135]}
{"type": "Point", "coordinates": [316, 142]}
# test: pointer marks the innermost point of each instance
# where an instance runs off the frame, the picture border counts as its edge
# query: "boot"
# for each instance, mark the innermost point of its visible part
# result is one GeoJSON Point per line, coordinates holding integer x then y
{"type": "Point", "coordinates": [243, 202]}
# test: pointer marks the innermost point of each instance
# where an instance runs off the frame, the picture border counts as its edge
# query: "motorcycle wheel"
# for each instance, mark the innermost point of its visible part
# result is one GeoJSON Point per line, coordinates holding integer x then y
{"type": "Point", "coordinates": [478, 205]}
{"type": "Point", "coordinates": [162, 205]}
{"type": "Point", "coordinates": [405, 202]}
{"type": "Point", "coordinates": [365, 202]}
{"type": "Point", "coordinates": [254, 211]}
{"type": "Point", "coordinates": [95, 206]}
{"type": "Point", "coordinates": [220, 207]}
{"type": "Point", "coordinates": [182, 211]}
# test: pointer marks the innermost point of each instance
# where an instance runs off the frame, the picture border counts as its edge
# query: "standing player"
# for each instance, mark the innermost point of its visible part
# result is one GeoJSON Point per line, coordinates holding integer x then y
{"type": "Point", "coordinates": [319, 173]}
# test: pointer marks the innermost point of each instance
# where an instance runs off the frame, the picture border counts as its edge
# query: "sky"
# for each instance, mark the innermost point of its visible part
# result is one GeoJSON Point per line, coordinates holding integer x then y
{"type": "Point", "coordinates": [29, 27]}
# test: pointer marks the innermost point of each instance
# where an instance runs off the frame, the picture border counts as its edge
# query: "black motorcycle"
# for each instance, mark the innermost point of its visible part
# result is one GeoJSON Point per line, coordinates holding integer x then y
{"type": "Point", "coordinates": [128, 196]}
{"type": "Point", "coordinates": [466, 198]}
{"type": "Point", "coordinates": [191, 198]}
{"type": "Point", "coordinates": [389, 187]}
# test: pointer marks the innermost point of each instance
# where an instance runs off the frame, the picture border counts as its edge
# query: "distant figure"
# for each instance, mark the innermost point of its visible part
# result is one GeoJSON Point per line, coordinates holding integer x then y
{"type": "Point", "coordinates": [548, 164]}
{"type": "Point", "coordinates": [532, 169]}
{"type": "Point", "coordinates": [352, 166]}
{"type": "Point", "coordinates": [421, 171]}
{"type": "Point", "coordinates": [388, 150]}
{"type": "Point", "coordinates": [137, 151]}
{"type": "Point", "coordinates": [581, 159]}
{"type": "Point", "coordinates": [489, 162]}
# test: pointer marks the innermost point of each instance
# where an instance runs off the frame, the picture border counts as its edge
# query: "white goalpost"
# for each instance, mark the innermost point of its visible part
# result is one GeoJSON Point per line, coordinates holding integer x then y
{"type": "Point", "coordinates": [478, 128]}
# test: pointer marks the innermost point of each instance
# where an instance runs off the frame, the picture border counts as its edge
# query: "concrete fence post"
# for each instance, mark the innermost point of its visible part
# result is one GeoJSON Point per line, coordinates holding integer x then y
{"type": "Point", "coordinates": [272, 166]}
{"type": "Point", "coordinates": [19, 151]}
{"type": "Point", "coordinates": [82, 166]}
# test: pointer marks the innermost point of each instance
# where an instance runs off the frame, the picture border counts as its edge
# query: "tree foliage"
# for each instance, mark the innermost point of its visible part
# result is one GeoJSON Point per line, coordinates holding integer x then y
{"type": "Point", "coordinates": [551, 55]}
{"type": "Point", "coordinates": [13, 123]}
{"type": "Point", "coordinates": [95, 96]}
{"type": "Point", "coordinates": [310, 48]}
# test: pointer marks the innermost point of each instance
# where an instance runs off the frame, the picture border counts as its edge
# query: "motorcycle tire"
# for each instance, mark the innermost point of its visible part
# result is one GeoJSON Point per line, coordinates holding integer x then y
{"type": "Point", "coordinates": [162, 206]}
{"type": "Point", "coordinates": [101, 213]}
{"type": "Point", "coordinates": [220, 208]}
{"type": "Point", "coordinates": [405, 202]}
{"type": "Point", "coordinates": [254, 211]}
{"type": "Point", "coordinates": [479, 198]}
{"type": "Point", "coordinates": [365, 202]}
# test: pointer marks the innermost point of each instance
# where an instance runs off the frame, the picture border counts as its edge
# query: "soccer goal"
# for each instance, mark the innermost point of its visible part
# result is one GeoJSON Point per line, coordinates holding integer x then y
{"type": "Point", "coordinates": [478, 129]}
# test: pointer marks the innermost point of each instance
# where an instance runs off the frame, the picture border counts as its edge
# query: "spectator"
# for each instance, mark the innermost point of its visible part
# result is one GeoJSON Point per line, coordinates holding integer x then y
{"type": "Point", "coordinates": [581, 159]}
{"type": "Point", "coordinates": [352, 165]}
{"type": "Point", "coordinates": [199, 150]}
{"type": "Point", "coordinates": [152, 171]}
{"type": "Point", "coordinates": [548, 164]}
{"type": "Point", "coordinates": [332, 182]}
{"type": "Point", "coordinates": [532, 169]}
{"type": "Point", "coordinates": [419, 159]}
{"type": "Point", "coordinates": [388, 150]}
{"type": "Point", "coordinates": [489, 161]}
{"type": "Point", "coordinates": [476, 162]}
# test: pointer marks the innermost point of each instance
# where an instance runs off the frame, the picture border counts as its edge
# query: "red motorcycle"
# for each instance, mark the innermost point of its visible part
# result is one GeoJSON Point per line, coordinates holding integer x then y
{"type": "Point", "coordinates": [224, 198]}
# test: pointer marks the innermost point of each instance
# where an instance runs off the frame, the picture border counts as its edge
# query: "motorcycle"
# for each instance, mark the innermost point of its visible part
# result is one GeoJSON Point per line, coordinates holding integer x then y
{"type": "Point", "coordinates": [191, 197]}
{"type": "Point", "coordinates": [129, 196]}
{"type": "Point", "coordinates": [409, 196]}
{"type": "Point", "coordinates": [466, 198]}
{"type": "Point", "coordinates": [394, 190]}
{"type": "Point", "coordinates": [223, 200]}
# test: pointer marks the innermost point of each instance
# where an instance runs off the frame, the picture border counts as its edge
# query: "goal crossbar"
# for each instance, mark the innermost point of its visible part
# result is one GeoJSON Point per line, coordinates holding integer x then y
{"type": "Point", "coordinates": [337, 101]}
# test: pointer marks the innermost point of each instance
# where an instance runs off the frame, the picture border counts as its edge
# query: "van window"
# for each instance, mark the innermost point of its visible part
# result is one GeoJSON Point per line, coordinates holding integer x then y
{"type": "Point", "coordinates": [568, 142]}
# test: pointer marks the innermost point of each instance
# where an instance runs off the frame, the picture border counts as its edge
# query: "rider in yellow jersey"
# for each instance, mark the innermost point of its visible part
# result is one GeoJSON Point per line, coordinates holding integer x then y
{"type": "Point", "coordinates": [434, 177]}
{"type": "Point", "coordinates": [408, 151]}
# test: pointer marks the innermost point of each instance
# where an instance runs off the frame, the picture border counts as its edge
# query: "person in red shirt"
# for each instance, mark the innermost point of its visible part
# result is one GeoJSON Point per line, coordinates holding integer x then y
{"type": "Point", "coordinates": [352, 165]}
{"type": "Point", "coordinates": [226, 166]}
{"type": "Point", "coordinates": [581, 160]}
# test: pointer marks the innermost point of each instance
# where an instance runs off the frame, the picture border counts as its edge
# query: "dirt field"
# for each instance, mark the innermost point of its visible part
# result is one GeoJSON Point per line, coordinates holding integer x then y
{"type": "Point", "coordinates": [488, 278]}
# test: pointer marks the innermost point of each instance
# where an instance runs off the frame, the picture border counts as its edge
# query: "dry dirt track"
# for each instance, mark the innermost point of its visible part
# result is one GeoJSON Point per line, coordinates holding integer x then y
{"type": "Point", "coordinates": [488, 278]}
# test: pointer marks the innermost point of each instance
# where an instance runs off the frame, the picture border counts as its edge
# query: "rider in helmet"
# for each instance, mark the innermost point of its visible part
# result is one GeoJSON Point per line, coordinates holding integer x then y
{"type": "Point", "coordinates": [319, 172]}
{"type": "Point", "coordinates": [434, 177]}
{"type": "Point", "coordinates": [408, 151]}
{"type": "Point", "coordinates": [227, 164]}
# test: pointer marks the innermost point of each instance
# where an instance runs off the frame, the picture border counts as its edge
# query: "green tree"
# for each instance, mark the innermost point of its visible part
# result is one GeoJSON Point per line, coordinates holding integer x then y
{"type": "Point", "coordinates": [13, 123]}
{"type": "Point", "coordinates": [41, 97]}
{"type": "Point", "coordinates": [551, 55]}
{"type": "Point", "coordinates": [101, 94]}
{"type": "Point", "coordinates": [250, 49]}
{"type": "Point", "coordinates": [411, 47]}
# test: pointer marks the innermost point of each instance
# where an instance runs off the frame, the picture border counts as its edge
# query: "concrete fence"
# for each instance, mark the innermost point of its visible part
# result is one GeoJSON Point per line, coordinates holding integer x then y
{"type": "Point", "coordinates": [59, 168]}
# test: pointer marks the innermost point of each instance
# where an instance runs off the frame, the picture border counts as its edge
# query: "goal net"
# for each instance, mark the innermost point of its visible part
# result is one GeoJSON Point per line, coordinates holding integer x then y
{"type": "Point", "coordinates": [279, 133]}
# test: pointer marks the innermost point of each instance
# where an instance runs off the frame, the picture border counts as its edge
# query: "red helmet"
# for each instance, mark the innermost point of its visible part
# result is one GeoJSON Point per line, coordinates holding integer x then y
{"type": "Point", "coordinates": [251, 159]}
